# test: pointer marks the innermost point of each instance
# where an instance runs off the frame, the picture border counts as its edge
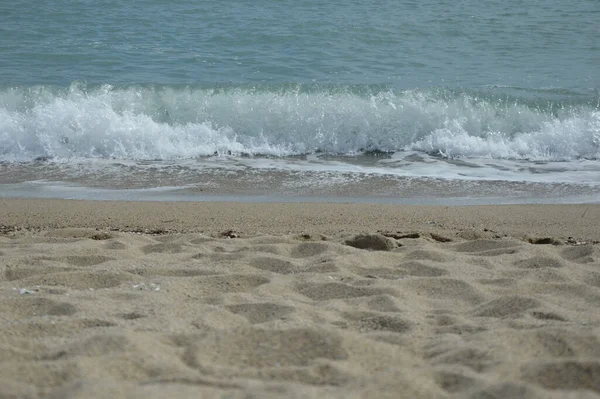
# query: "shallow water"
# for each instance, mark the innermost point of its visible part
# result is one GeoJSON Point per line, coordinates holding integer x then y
{"type": "Point", "coordinates": [332, 97]}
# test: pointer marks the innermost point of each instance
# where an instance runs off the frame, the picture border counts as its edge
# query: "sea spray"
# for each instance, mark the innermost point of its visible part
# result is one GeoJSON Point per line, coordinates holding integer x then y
{"type": "Point", "coordinates": [157, 122]}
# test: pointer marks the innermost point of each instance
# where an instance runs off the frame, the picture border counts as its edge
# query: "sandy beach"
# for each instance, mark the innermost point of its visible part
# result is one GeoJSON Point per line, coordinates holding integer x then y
{"type": "Point", "coordinates": [232, 300]}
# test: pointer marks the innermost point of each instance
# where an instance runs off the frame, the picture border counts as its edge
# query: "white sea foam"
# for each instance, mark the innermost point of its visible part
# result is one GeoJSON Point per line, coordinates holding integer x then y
{"type": "Point", "coordinates": [167, 123]}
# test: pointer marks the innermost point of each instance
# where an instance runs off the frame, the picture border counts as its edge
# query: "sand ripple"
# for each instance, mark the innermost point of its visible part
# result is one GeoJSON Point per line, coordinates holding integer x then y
{"type": "Point", "coordinates": [86, 313]}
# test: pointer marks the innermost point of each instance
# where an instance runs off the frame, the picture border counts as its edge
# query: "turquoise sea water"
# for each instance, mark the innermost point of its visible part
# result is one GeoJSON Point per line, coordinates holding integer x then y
{"type": "Point", "coordinates": [186, 94]}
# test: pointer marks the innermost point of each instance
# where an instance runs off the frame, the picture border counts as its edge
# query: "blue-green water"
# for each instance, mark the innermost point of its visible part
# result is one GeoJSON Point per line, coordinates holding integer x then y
{"type": "Point", "coordinates": [462, 90]}
{"type": "Point", "coordinates": [406, 44]}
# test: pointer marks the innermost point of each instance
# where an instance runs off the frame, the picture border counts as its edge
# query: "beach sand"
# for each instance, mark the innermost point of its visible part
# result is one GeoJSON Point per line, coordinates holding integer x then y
{"type": "Point", "coordinates": [211, 300]}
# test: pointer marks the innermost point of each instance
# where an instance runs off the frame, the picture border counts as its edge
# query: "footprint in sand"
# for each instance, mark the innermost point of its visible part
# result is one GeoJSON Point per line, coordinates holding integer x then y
{"type": "Point", "coordinates": [444, 288]}
{"type": "Point", "coordinates": [420, 270]}
{"type": "Point", "coordinates": [428, 255]}
{"type": "Point", "coordinates": [219, 257]}
{"type": "Point", "coordinates": [446, 324]}
{"type": "Point", "coordinates": [549, 344]}
{"type": "Point", "coordinates": [201, 240]}
{"type": "Point", "coordinates": [593, 279]}
{"type": "Point", "coordinates": [44, 327]}
{"type": "Point", "coordinates": [564, 374]}
{"type": "Point", "coordinates": [540, 315]}
{"type": "Point", "coordinates": [168, 272]}
{"type": "Point", "coordinates": [29, 307]}
{"type": "Point", "coordinates": [219, 284]}
{"type": "Point", "coordinates": [162, 248]}
{"type": "Point", "coordinates": [269, 249]}
{"type": "Point", "coordinates": [413, 268]}
{"type": "Point", "coordinates": [132, 315]}
{"type": "Point", "coordinates": [454, 381]}
{"type": "Point", "coordinates": [114, 245]}
{"type": "Point", "coordinates": [489, 247]}
{"type": "Point", "coordinates": [98, 345]}
{"type": "Point", "coordinates": [373, 322]}
{"type": "Point", "coordinates": [274, 265]}
{"type": "Point", "coordinates": [257, 313]}
{"type": "Point", "coordinates": [580, 254]}
{"type": "Point", "coordinates": [85, 261]}
{"type": "Point", "coordinates": [309, 249]}
{"type": "Point", "coordinates": [79, 280]}
{"type": "Point", "coordinates": [39, 374]}
{"type": "Point", "coordinates": [499, 282]}
{"type": "Point", "coordinates": [506, 306]}
{"type": "Point", "coordinates": [505, 390]}
{"type": "Point", "coordinates": [372, 242]}
{"type": "Point", "coordinates": [473, 358]}
{"type": "Point", "coordinates": [382, 303]}
{"type": "Point", "coordinates": [538, 262]}
{"type": "Point", "coordinates": [19, 273]}
{"type": "Point", "coordinates": [327, 291]}
{"type": "Point", "coordinates": [260, 348]}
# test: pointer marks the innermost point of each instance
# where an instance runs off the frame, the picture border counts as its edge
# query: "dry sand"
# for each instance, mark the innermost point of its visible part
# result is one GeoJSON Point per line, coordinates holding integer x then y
{"type": "Point", "coordinates": [113, 299]}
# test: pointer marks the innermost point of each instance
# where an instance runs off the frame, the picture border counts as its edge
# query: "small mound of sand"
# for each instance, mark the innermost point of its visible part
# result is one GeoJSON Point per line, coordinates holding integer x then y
{"type": "Point", "coordinates": [374, 242]}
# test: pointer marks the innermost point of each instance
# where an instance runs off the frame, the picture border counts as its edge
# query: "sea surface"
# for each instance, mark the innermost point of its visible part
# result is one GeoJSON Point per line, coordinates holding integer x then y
{"type": "Point", "coordinates": [441, 102]}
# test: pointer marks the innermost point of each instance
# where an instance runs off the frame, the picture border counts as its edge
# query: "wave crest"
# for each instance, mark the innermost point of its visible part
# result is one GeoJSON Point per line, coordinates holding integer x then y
{"type": "Point", "coordinates": [165, 122]}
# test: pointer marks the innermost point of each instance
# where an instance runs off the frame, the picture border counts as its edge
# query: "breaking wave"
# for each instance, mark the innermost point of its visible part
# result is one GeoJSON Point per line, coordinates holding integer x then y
{"type": "Point", "coordinates": [177, 122]}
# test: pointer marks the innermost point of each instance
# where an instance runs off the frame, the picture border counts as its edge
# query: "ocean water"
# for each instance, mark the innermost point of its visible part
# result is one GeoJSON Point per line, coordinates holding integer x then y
{"type": "Point", "coordinates": [396, 101]}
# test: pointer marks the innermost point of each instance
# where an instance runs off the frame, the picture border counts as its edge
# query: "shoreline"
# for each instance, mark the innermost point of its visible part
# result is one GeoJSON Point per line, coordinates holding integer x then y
{"type": "Point", "coordinates": [580, 221]}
